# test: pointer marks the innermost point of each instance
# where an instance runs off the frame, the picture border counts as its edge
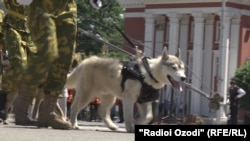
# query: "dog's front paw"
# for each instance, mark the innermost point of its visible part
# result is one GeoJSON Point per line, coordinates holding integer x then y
{"type": "Point", "coordinates": [110, 124]}
{"type": "Point", "coordinates": [5, 122]}
{"type": "Point", "coordinates": [76, 127]}
{"type": "Point", "coordinates": [114, 128]}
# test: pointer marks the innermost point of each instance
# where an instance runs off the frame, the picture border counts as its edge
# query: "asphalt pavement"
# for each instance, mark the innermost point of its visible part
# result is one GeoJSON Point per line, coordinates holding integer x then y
{"type": "Point", "coordinates": [90, 131]}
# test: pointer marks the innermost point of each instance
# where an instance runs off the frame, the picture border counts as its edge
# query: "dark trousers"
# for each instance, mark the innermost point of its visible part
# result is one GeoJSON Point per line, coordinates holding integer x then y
{"type": "Point", "coordinates": [233, 114]}
{"type": "Point", "coordinates": [3, 99]}
{"type": "Point", "coordinates": [121, 113]}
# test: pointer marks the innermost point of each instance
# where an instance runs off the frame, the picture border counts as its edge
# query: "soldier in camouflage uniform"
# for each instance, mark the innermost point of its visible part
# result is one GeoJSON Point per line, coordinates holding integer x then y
{"type": "Point", "coordinates": [18, 43]}
{"type": "Point", "coordinates": [53, 29]}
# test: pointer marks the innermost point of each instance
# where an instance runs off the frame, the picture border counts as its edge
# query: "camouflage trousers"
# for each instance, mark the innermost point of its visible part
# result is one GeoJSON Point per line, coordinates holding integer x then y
{"type": "Point", "coordinates": [19, 45]}
{"type": "Point", "coordinates": [53, 30]}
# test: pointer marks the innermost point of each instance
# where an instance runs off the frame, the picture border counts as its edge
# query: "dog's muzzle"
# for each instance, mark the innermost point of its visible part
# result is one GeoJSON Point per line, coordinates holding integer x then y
{"type": "Point", "coordinates": [175, 84]}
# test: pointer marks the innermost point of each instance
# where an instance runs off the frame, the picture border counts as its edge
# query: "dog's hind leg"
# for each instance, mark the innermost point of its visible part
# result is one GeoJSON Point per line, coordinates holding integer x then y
{"type": "Point", "coordinates": [145, 113]}
{"type": "Point", "coordinates": [78, 104]}
{"type": "Point", "coordinates": [107, 101]}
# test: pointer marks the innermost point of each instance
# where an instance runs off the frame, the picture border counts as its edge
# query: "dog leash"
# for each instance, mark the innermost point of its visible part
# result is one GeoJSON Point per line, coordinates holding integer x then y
{"type": "Point", "coordinates": [146, 65]}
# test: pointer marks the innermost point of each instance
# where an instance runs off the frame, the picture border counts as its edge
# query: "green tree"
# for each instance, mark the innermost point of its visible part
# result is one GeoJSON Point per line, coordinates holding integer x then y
{"type": "Point", "coordinates": [100, 22]}
{"type": "Point", "coordinates": [242, 78]}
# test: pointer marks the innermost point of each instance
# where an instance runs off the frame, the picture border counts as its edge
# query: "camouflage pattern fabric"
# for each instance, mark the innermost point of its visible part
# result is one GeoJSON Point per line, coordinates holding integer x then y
{"type": "Point", "coordinates": [1, 16]}
{"type": "Point", "coordinates": [1, 44]}
{"type": "Point", "coordinates": [15, 15]}
{"type": "Point", "coordinates": [1, 25]}
{"type": "Point", "coordinates": [53, 29]}
{"type": "Point", "coordinates": [18, 43]}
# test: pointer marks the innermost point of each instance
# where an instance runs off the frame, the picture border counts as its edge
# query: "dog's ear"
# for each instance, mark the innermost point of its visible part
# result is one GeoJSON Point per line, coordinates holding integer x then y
{"type": "Point", "coordinates": [165, 53]}
{"type": "Point", "coordinates": [178, 53]}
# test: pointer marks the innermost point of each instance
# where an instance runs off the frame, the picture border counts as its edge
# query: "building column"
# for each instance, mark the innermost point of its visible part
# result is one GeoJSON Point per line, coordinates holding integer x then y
{"type": "Point", "coordinates": [173, 32]}
{"type": "Point", "coordinates": [159, 35]}
{"type": "Point", "coordinates": [184, 37]}
{"type": "Point", "coordinates": [149, 34]}
{"type": "Point", "coordinates": [234, 45]}
{"type": "Point", "coordinates": [184, 22]}
{"type": "Point", "coordinates": [197, 61]}
{"type": "Point", "coordinates": [207, 61]}
{"type": "Point", "coordinates": [223, 67]}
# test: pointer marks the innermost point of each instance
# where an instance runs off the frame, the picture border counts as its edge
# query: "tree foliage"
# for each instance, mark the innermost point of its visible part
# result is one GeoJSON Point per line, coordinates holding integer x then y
{"type": "Point", "coordinates": [100, 22]}
{"type": "Point", "coordinates": [242, 78]}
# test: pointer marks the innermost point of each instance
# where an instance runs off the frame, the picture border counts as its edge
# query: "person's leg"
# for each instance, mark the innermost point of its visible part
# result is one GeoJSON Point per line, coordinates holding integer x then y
{"type": "Point", "coordinates": [68, 109]}
{"type": "Point", "coordinates": [21, 107]}
{"type": "Point", "coordinates": [3, 99]}
{"type": "Point", "coordinates": [236, 115]}
{"type": "Point", "coordinates": [17, 55]}
{"type": "Point", "coordinates": [181, 113]}
{"type": "Point", "coordinates": [121, 113]}
{"type": "Point", "coordinates": [56, 41]}
{"type": "Point", "coordinates": [233, 114]}
{"type": "Point", "coordinates": [91, 111]}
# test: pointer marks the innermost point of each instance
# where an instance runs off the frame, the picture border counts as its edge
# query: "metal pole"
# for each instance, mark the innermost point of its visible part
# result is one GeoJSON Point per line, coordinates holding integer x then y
{"type": "Point", "coordinates": [101, 40]}
{"type": "Point", "coordinates": [223, 65]}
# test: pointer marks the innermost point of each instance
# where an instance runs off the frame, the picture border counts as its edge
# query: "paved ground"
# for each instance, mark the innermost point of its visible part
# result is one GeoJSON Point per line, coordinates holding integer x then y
{"type": "Point", "coordinates": [90, 131]}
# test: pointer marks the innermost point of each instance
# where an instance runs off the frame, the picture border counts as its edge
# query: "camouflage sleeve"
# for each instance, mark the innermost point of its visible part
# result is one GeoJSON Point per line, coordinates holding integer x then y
{"type": "Point", "coordinates": [1, 40]}
{"type": "Point", "coordinates": [1, 21]}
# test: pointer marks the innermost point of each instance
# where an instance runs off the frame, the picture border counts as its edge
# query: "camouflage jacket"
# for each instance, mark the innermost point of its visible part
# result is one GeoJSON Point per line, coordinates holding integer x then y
{"type": "Point", "coordinates": [1, 24]}
{"type": "Point", "coordinates": [15, 16]}
{"type": "Point", "coordinates": [1, 20]}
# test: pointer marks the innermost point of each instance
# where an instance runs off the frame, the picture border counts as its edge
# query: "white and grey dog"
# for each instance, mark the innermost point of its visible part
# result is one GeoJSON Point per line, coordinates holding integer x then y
{"type": "Point", "coordinates": [131, 81]}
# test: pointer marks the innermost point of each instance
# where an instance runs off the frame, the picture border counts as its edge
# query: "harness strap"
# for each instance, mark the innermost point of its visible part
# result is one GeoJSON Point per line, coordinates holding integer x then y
{"type": "Point", "coordinates": [148, 94]}
{"type": "Point", "coordinates": [131, 70]}
{"type": "Point", "coordinates": [16, 14]}
{"type": "Point", "coordinates": [146, 65]}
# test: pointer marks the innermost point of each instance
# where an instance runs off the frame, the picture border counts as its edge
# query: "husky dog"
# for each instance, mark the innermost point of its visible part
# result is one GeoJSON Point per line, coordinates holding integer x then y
{"type": "Point", "coordinates": [110, 78]}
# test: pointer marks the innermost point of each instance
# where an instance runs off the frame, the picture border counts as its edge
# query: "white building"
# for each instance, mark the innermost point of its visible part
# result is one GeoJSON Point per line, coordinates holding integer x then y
{"type": "Point", "coordinates": [213, 35]}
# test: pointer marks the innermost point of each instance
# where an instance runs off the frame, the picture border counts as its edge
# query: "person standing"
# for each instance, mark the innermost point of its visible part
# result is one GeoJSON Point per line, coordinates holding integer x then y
{"type": "Point", "coordinates": [235, 93]}
{"type": "Point", "coordinates": [18, 43]}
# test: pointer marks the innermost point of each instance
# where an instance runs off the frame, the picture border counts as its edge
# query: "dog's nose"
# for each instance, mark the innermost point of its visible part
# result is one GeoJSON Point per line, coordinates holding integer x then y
{"type": "Point", "coordinates": [183, 78]}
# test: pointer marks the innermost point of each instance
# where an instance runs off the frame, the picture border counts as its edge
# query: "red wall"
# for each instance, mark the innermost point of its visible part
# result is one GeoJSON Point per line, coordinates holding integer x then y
{"type": "Point", "coordinates": [134, 28]}
{"type": "Point", "coordinates": [244, 50]}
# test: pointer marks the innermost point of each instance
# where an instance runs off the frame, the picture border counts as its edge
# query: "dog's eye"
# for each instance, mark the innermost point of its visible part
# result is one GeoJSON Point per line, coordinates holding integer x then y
{"type": "Point", "coordinates": [182, 66]}
{"type": "Point", "coordinates": [174, 67]}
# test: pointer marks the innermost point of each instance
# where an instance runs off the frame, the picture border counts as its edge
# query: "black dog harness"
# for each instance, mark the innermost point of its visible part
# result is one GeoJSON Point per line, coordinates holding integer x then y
{"type": "Point", "coordinates": [131, 70]}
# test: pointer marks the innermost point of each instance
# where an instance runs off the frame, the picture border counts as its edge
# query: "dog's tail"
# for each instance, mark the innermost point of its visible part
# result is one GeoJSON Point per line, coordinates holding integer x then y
{"type": "Point", "coordinates": [72, 78]}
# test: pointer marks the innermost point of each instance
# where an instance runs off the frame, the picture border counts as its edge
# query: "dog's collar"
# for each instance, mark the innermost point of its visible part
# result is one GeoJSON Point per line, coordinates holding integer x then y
{"type": "Point", "coordinates": [146, 65]}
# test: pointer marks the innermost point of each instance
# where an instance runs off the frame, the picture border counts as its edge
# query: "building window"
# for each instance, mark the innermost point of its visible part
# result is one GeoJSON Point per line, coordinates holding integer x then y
{"type": "Point", "coordinates": [217, 35]}
{"type": "Point", "coordinates": [167, 32]}
{"type": "Point", "coordinates": [192, 31]}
